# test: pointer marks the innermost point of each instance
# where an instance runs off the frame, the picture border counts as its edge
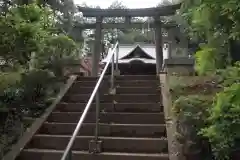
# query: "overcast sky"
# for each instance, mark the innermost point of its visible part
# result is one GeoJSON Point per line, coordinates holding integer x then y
{"type": "Point", "coordinates": [128, 3]}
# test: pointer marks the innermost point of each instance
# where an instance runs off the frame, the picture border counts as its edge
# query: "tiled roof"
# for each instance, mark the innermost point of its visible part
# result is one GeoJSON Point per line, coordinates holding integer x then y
{"type": "Point", "coordinates": [124, 50]}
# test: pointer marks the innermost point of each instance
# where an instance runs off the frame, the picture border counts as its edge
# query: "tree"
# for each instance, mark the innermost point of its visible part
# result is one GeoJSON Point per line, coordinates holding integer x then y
{"type": "Point", "coordinates": [215, 23]}
{"type": "Point", "coordinates": [34, 55]}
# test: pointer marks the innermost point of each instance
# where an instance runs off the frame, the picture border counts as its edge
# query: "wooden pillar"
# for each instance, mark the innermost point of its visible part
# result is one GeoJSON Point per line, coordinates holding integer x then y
{"type": "Point", "coordinates": [97, 47]}
{"type": "Point", "coordinates": [158, 43]}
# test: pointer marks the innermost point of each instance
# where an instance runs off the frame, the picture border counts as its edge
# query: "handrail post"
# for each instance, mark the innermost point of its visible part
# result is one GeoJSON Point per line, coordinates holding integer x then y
{"type": "Point", "coordinates": [112, 74]}
{"type": "Point", "coordinates": [69, 156]}
{"type": "Point", "coordinates": [117, 54]}
{"type": "Point", "coordinates": [95, 144]}
{"type": "Point", "coordinates": [97, 115]}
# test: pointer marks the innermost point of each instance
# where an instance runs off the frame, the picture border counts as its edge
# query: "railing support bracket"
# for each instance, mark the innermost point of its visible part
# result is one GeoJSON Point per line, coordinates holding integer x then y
{"type": "Point", "coordinates": [117, 72]}
{"type": "Point", "coordinates": [95, 146]}
{"type": "Point", "coordinates": [112, 91]}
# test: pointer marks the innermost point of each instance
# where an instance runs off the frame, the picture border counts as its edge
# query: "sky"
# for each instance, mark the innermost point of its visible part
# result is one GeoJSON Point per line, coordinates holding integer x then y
{"type": "Point", "coordinates": [128, 3]}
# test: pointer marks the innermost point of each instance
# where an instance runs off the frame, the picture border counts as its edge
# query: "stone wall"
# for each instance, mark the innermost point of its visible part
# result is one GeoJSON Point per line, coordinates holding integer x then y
{"type": "Point", "coordinates": [174, 148]}
{"type": "Point", "coordinates": [179, 66]}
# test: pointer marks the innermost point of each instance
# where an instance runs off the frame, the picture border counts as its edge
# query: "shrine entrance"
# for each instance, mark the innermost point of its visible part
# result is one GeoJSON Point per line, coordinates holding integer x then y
{"type": "Point", "coordinates": [128, 14]}
{"type": "Point", "coordinates": [138, 68]}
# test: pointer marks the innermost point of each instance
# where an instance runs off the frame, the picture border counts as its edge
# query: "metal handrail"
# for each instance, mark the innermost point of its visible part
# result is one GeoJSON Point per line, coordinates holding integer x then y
{"type": "Point", "coordinates": [95, 91]}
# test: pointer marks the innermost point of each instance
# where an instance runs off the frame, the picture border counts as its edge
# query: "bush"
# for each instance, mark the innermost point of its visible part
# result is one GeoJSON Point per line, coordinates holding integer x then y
{"type": "Point", "coordinates": [30, 42]}
{"type": "Point", "coordinates": [8, 79]}
{"type": "Point", "coordinates": [230, 75]}
{"type": "Point", "coordinates": [36, 85]}
{"type": "Point", "coordinates": [214, 117]}
{"type": "Point", "coordinates": [206, 60]}
{"type": "Point", "coordinates": [224, 128]}
{"type": "Point", "coordinates": [191, 113]}
{"type": "Point", "coordinates": [8, 83]}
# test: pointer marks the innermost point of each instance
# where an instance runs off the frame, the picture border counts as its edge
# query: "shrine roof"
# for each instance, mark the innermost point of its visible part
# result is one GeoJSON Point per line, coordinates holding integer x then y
{"type": "Point", "coordinates": [126, 49]}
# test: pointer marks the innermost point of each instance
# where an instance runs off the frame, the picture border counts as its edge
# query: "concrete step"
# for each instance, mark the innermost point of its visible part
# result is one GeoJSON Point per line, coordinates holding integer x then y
{"type": "Point", "coordinates": [115, 130]}
{"type": "Point", "coordinates": [109, 117]}
{"type": "Point", "coordinates": [110, 144]}
{"type": "Point", "coordinates": [138, 90]}
{"type": "Point", "coordinates": [121, 77]}
{"type": "Point", "coordinates": [119, 98]}
{"type": "Point", "coordinates": [44, 154]}
{"type": "Point", "coordinates": [86, 90]}
{"type": "Point", "coordinates": [110, 107]}
{"type": "Point", "coordinates": [137, 77]}
{"type": "Point", "coordinates": [122, 83]}
{"type": "Point", "coordinates": [79, 84]}
{"type": "Point", "coordinates": [80, 78]}
{"type": "Point", "coordinates": [137, 83]}
{"type": "Point", "coordinates": [120, 90]}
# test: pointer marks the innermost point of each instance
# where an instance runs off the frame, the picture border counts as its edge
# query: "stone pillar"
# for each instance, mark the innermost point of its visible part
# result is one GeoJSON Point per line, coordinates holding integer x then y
{"type": "Point", "coordinates": [128, 19]}
{"type": "Point", "coordinates": [158, 43]}
{"type": "Point", "coordinates": [170, 49]}
{"type": "Point", "coordinates": [97, 47]}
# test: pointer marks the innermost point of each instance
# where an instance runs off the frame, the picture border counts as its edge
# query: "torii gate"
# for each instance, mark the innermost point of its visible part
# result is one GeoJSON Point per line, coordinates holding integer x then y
{"type": "Point", "coordinates": [99, 14]}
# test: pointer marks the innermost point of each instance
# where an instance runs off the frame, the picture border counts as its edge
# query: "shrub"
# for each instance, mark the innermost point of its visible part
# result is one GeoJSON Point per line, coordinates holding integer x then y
{"type": "Point", "coordinates": [8, 79]}
{"type": "Point", "coordinates": [191, 114]}
{"type": "Point", "coordinates": [224, 128]}
{"type": "Point", "coordinates": [37, 84]}
{"type": "Point", "coordinates": [230, 75]}
{"type": "Point", "coordinates": [206, 60]}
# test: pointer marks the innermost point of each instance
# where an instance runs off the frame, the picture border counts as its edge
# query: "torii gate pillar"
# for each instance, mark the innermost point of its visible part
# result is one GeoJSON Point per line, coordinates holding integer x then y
{"type": "Point", "coordinates": [97, 47]}
{"type": "Point", "coordinates": [158, 43]}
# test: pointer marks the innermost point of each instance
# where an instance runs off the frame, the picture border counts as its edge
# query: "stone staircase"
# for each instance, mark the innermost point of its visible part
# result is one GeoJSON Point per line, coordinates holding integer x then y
{"type": "Point", "coordinates": [132, 125]}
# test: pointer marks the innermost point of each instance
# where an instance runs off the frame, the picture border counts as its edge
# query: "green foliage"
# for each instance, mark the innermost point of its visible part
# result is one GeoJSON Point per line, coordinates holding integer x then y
{"type": "Point", "coordinates": [230, 75]}
{"type": "Point", "coordinates": [214, 116]}
{"type": "Point", "coordinates": [224, 121]}
{"type": "Point", "coordinates": [22, 31]}
{"type": "Point", "coordinates": [34, 56]}
{"type": "Point", "coordinates": [206, 60]}
{"type": "Point", "coordinates": [9, 79]}
{"type": "Point", "coordinates": [28, 41]}
{"type": "Point", "coordinates": [60, 46]}
{"type": "Point", "coordinates": [58, 52]}
{"type": "Point", "coordinates": [216, 23]}
{"type": "Point", "coordinates": [36, 85]}
{"type": "Point", "coordinates": [209, 16]}
{"type": "Point", "coordinates": [192, 111]}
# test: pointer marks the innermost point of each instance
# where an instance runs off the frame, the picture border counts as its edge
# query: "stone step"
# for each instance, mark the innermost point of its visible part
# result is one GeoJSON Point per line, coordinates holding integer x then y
{"type": "Point", "coordinates": [79, 84]}
{"type": "Point", "coordinates": [115, 130]}
{"type": "Point", "coordinates": [119, 98]}
{"type": "Point", "coordinates": [138, 90]}
{"type": "Point", "coordinates": [122, 83]}
{"type": "Point", "coordinates": [119, 90]}
{"type": "Point", "coordinates": [121, 77]}
{"type": "Point", "coordinates": [137, 83]}
{"type": "Point", "coordinates": [137, 77]}
{"type": "Point", "coordinates": [132, 123]}
{"type": "Point", "coordinates": [79, 78]}
{"type": "Point", "coordinates": [110, 107]}
{"type": "Point", "coordinates": [86, 90]}
{"type": "Point", "coordinates": [110, 144]}
{"type": "Point", "coordinates": [44, 154]}
{"type": "Point", "coordinates": [109, 117]}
